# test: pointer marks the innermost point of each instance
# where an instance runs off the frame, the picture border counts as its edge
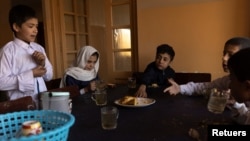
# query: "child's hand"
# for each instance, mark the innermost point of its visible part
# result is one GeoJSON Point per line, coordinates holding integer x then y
{"type": "Point", "coordinates": [39, 58]}
{"type": "Point", "coordinates": [174, 89]}
{"type": "Point", "coordinates": [92, 86]}
{"type": "Point", "coordinates": [141, 92]}
{"type": "Point", "coordinates": [39, 71]}
{"type": "Point", "coordinates": [231, 101]}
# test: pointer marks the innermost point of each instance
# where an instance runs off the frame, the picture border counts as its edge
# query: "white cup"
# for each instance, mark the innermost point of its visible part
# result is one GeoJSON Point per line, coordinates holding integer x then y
{"type": "Point", "coordinates": [109, 116]}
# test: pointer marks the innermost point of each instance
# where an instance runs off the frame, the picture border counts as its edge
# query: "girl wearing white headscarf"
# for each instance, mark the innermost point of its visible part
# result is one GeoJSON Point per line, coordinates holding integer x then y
{"type": "Point", "coordinates": [84, 70]}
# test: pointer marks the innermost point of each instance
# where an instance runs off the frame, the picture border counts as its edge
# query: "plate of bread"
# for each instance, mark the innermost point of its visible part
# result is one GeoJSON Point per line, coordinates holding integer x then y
{"type": "Point", "coordinates": [134, 102]}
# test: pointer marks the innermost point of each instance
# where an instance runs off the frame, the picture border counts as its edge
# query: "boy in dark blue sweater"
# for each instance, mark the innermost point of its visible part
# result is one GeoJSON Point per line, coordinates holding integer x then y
{"type": "Point", "coordinates": [158, 72]}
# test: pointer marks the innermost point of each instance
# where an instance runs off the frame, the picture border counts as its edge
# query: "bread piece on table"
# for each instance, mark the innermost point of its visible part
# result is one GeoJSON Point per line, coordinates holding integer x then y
{"type": "Point", "coordinates": [129, 100]}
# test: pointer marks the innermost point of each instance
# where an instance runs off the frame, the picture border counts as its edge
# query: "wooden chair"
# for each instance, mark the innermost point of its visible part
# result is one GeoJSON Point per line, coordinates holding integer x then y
{"type": "Point", "coordinates": [3, 96]}
{"type": "Point", "coordinates": [53, 84]}
{"type": "Point", "coordinates": [20, 104]}
{"type": "Point", "coordinates": [183, 78]}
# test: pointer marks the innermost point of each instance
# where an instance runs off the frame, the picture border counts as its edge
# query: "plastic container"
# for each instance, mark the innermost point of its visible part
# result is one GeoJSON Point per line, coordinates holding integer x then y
{"type": "Point", "coordinates": [55, 125]}
{"type": "Point", "coordinates": [58, 101]}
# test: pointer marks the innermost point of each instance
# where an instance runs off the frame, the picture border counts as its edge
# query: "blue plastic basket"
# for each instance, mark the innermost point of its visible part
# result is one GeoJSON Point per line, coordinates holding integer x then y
{"type": "Point", "coordinates": [55, 125]}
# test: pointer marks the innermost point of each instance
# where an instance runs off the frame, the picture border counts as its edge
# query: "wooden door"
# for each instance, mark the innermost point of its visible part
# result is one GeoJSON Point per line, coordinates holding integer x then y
{"type": "Point", "coordinates": [122, 39]}
{"type": "Point", "coordinates": [108, 25]}
{"type": "Point", "coordinates": [66, 24]}
{"type": "Point", "coordinates": [112, 31]}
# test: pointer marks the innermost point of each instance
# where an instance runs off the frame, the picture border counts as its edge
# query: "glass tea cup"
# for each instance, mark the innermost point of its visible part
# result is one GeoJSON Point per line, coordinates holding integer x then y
{"type": "Point", "coordinates": [100, 97]}
{"type": "Point", "coordinates": [109, 116]}
{"type": "Point", "coordinates": [217, 101]}
{"type": "Point", "coordinates": [132, 82]}
{"type": "Point", "coordinates": [100, 85]}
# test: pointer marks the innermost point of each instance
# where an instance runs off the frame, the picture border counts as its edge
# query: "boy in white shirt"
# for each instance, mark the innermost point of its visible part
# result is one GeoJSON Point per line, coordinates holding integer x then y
{"type": "Point", "coordinates": [23, 63]}
{"type": "Point", "coordinates": [231, 46]}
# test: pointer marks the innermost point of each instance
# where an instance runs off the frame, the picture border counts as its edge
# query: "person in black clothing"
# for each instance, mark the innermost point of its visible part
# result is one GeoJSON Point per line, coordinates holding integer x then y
{"type": "Point", "coordinates": [158, 72]}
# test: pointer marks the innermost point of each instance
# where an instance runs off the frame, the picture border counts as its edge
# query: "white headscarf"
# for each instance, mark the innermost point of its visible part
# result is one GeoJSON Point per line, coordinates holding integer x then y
{"type": "Point", "coordinates": [77, 70]}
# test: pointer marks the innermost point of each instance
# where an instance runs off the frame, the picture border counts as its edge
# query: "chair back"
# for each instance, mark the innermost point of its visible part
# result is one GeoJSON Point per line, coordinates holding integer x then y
{"type": "Point", "coordinates": [183, 78]}
{"type": "Point", "coordinates": [53, 84]}
{"type": "Point", "coordinates": [20, 104]}
{"type": "Point", "coordinates": [3, 96]}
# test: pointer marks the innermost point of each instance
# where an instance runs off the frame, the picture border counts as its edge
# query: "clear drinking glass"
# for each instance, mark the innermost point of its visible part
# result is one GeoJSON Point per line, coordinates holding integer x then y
{"type": "Point", "coordinates": [132, 82]}
{"type": "Point", "coordinates": [109, 116]}
{"type": "Point", "coordinates": [217, 101]}
{"type": "Point", "coordinates": [100, 85]}
{"type": "Point", "coordinates": [100, 97]}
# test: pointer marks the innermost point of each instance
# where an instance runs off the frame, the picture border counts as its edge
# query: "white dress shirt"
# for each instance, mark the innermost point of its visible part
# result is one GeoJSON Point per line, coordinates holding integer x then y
{"type": "Point", "coordinates": [16, 64]}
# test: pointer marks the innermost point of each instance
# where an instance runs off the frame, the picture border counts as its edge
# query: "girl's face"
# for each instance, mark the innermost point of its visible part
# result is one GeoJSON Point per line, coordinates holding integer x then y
{"type": "Point", "coordinates": [28, 30]}
{"type": "Point", "coordinates": [227, 53]}
{"type": "Point", "coordinates": [162, 61]}
{"type": "Point", "coordinates": [91, 63]}
{"type": "Point", "coordinates": [239, 90]}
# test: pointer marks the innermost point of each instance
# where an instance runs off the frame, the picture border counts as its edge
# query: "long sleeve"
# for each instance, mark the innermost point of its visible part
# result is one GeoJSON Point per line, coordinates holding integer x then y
{"type": "Point", "coordinates": [13, 75]}
{"type": "Point", "coordinates": [49, 74]}
{"type": "Point", "coordinates": [197, 88]}
{"type": "Point", "coordinates": [69, 81]}
{"type": "Point", "coordinates": [49, 69]}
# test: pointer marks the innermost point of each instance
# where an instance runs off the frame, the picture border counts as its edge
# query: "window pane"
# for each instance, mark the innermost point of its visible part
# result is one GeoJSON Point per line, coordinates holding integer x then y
{"type": "Point", "coordinates": [120, 15]}
{"type": "Point", "coordinates": [68, 5]}
{"type": "Point", "coordinates": [71, 59]}
{"type": "Point", "coordinates": [71, 42]}
{"type": "Point", "coordinates": [122, 61]}
{"type": "Point", "coordinates": [81, 7]}
{"type": "Point", "coordinates": [83, 40]}
{"type": "Point", "coordinates": [122, 38]}
{"type": "Point", "coordinates": [69, 23]}
{"type": "Point", "coordinates": [82, 25]}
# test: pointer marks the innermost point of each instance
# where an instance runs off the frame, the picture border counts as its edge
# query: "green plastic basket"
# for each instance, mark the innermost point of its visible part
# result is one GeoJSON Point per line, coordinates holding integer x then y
{"type": "Point", "coordinates": [55, 125]}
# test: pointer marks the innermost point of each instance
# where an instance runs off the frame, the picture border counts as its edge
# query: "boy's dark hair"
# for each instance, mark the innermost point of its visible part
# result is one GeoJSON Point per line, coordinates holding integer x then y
{"type": "Point", "coordinates": [239, 64]}
{"type": "Point", "coordinates": [243, 42]}
{"type": "Point", "coordinates": [20, 14]}
{"type": "Point", "coordinates": [165, 48]}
